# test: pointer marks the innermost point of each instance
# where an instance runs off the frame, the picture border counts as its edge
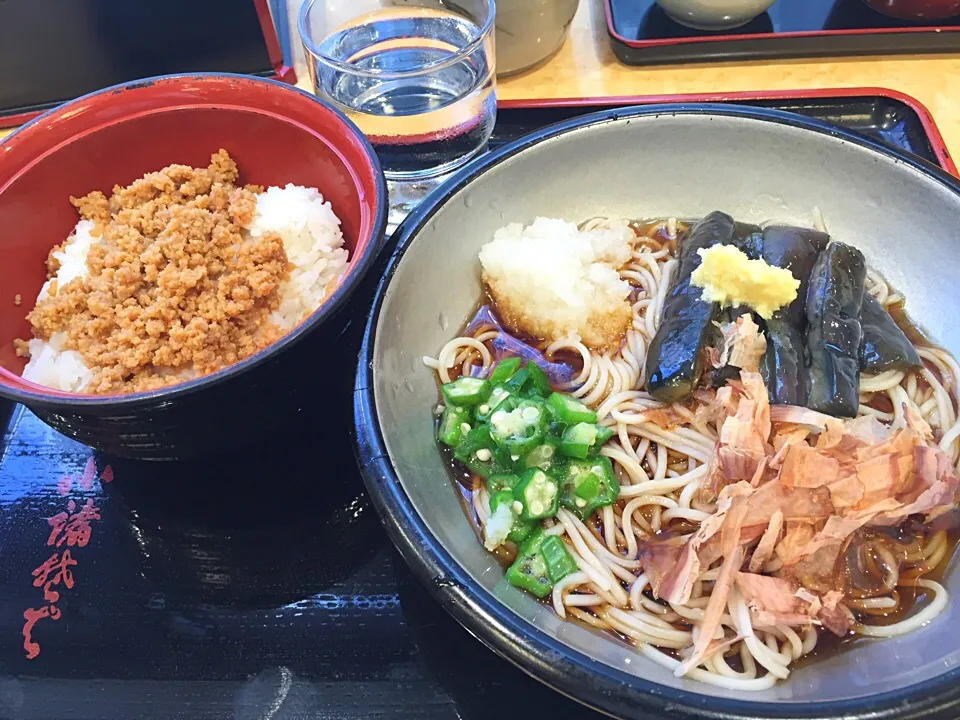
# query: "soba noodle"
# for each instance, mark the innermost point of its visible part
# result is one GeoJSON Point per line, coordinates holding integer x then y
{"type": "Point", "coordinates": [660, 472]}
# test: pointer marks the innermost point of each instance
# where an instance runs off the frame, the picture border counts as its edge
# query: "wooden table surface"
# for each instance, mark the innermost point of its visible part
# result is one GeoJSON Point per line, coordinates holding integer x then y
{"type": "Point", "coordinates": [586, 67]}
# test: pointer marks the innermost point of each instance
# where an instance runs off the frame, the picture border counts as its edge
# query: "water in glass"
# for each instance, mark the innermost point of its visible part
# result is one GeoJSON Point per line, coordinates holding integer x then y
{"type": "Point", "coordinates": [419, 83]}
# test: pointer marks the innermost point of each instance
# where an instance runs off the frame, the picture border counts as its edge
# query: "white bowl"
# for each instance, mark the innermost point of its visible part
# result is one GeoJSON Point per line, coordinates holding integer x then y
{"type": "Point", "coordinates": [526, 31]}
{"type": "Point", "coordinates": [714, 14]}
{"type": "Point", "coordinates": [755, 164]}
{"type": "Point", "coordinates": [529, 31]}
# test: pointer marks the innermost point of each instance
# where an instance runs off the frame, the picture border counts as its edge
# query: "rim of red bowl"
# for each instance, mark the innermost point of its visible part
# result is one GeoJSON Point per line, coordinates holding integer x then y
{"type": "Point", "coordinates": [371, 186]}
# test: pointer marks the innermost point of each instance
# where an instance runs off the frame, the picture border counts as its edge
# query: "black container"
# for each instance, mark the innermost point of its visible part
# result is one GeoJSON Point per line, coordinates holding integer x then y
{"type": "Point", "coordinates": [641, 33]}
{"type": "Point", "coordinates": [277, 135]}
{"type": "Point", "coordinates": [246, 588]}
{"type": "Point", "coordinates": [239, 408]}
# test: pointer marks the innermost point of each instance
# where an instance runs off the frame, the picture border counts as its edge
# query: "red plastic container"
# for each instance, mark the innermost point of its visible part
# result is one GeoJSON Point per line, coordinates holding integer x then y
{"type": "Point", "coordinates": [277, 135]}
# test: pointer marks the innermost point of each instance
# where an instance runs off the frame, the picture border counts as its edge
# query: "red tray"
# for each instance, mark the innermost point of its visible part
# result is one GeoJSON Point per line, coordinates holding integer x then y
{"type": "Point", "coordinates": [642, 34]}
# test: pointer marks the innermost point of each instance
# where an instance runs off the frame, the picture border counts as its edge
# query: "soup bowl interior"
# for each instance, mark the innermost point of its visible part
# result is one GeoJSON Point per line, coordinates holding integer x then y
{"type": "Point", "coordinates": [642, 163]}
{"type": "Point", "coordinates": [276, 135]}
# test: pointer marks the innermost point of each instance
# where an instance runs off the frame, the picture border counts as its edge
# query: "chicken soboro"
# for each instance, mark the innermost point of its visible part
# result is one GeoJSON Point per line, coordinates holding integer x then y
{"type": "Point", "coordinates": [174, 289]}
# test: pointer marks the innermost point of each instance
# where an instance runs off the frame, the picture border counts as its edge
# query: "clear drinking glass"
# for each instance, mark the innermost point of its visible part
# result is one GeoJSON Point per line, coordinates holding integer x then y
{"type": "Point", "coordinates": [416, 76]}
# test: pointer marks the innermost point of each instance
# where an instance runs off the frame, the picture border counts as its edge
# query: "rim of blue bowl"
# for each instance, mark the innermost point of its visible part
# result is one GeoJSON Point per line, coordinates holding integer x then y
{"type": "Point", "coordinates": [540, 655]}
{"type": "Point", "coordinates": [329, 307]}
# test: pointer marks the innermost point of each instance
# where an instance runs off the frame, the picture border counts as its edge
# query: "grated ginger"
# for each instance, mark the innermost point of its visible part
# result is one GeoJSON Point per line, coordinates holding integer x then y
{"type": "Point", "coordinates": [728, 277]}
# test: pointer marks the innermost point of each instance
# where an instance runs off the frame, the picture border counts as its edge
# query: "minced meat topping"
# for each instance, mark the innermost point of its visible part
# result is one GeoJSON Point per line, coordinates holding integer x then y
{"type": "Point", "coordinates": [174, 289]}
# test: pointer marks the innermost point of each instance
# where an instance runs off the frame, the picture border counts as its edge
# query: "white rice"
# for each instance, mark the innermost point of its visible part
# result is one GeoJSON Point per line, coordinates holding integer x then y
{"type": "Point", "coordinates": [72, 257]}
{"type": "Point", "coordinates": [311, 236]}
{"type": "Point", "coordinates": [55, 367]}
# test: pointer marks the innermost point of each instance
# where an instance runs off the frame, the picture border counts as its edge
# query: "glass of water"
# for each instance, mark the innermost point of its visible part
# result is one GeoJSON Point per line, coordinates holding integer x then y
{"type": "Point", "coordinates": [416, 76]}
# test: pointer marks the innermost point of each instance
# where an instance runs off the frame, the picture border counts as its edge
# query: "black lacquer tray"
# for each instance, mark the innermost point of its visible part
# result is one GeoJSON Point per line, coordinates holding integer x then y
{"type": "Point", "coordinates": [52, 51]}
{"type": "Point", "coordinates": [262, 585]}
{"type": "Point", "coordinates": [643, 34]}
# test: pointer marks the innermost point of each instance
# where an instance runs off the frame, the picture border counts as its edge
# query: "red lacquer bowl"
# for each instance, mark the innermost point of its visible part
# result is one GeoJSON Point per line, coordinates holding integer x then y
{"type": "Point", "coordinates": [277, 135]}
{"type": "Point", "coordinates": [917, 10]}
